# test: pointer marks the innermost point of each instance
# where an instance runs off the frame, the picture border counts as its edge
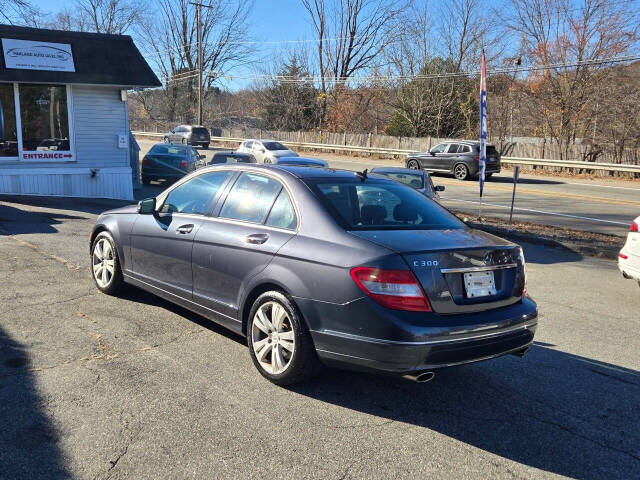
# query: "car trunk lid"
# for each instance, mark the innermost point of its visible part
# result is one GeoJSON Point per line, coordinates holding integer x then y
{"type": "Point", "coordinates": [450, 263]}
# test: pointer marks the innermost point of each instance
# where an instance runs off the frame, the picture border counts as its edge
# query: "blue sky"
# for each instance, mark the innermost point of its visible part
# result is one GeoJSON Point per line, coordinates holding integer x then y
{"type": "Point", "coordinates": [271, 20]}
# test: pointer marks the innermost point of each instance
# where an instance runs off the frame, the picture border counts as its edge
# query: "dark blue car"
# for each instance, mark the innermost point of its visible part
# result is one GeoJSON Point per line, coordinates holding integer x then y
{"type": "Point", "coordinates": [322, 267]}
{"type": "Point", "coordinates": [169, 162]}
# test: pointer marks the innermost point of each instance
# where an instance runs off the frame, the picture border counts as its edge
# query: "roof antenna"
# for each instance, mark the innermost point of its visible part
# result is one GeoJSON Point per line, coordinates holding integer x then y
{"type": "Point", "coordinates": [363, 174]}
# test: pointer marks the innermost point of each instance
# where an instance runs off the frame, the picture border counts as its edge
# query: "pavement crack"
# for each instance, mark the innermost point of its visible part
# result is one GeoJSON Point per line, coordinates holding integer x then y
{"type": "Point", "coordinates": [35, 248]}
{"type": "Point", "coordinates": [49, 303]}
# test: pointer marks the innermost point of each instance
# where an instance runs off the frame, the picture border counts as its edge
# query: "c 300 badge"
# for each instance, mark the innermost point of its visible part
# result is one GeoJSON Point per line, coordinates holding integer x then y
{"type": "Point", "coordinates": [425, 263]}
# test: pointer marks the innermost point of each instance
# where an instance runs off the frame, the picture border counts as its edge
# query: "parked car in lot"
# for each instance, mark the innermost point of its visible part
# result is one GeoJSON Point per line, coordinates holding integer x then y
{"type": "Point", "coordinates": [629, 256]}
{"type": "Point", "coordinates": [169, 162]}
{"type": "Point", "coordinates": [265, 151]}
{"type": "Point", "coordinates": [189, 135]}
{"type": "Point", "coordinates": [460, 158]}
{"type": "Point", "coordinates": [231, 157]}
{"type": "Point", "coordinates": [301, 162]}
{"type": "Point", "coordinates": [322, 267]}
{"type": "Point", "coordinates": [417, 179]}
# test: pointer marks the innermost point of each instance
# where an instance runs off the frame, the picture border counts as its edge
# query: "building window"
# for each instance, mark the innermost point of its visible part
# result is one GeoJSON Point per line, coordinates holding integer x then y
{"type": "Point", "coordinates": [8, 132]}
{"type": "Point", "coordinates": [44, 117]}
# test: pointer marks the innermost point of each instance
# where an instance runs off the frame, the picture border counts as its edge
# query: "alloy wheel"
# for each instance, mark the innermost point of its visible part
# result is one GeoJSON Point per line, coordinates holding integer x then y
{"type": "Point", "coordinates": [460, 171]}
{"type": "Point", "coordinates": [413, 165]}
{"type": "Point", "coordinates": [103, 263]}
{"type": "Point", "coordinates": [272, 338]}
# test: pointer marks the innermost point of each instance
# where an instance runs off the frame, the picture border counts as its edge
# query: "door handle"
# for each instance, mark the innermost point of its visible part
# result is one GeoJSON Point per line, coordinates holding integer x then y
{"type": "Point", "coordinates": [184, 229]}
{"type": "Point", "coordinates": [257, 238]}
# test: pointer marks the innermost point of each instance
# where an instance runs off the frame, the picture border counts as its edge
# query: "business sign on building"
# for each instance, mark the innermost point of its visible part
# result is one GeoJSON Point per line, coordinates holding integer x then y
{"type": "Point", "coordinates": [30, 55]}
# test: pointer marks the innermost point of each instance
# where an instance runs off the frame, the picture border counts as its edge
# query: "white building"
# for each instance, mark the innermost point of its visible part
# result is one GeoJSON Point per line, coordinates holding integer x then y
{"type": "Point", "coordinates": [64, 124]}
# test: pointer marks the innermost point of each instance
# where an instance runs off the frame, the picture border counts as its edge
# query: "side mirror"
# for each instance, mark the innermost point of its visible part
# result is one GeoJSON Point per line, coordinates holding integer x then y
{"type": "Point", "coordinates": [261, 150]}
{"type": "Point", "coordinates": [202, 156]}
{"type": "Point", "coordinates": [433, 154]}
{"type": "Point", "coordinates": [147, 206]}
{"type": "Point", "coordinates": [439, 188]}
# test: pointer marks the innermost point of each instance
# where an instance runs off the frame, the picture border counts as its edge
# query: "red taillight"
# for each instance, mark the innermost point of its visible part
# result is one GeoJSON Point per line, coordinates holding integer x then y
{"type": "Point", "coordinates": [622, 256]}
{"type": "Point", "coordinates": [634, 227]}
{"type": "Point", "coordinates": [145, 161]}
{"type": "Point", "coordinates": [184, 164]}
{"type": "Point", "coordinates": [397, 289]}
{"type": "Point", "coordinates": [476, 158]}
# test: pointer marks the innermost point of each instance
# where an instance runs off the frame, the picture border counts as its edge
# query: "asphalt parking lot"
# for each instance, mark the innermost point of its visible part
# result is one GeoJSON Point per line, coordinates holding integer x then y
{"type": "Point", "coordinates": [95, 387]}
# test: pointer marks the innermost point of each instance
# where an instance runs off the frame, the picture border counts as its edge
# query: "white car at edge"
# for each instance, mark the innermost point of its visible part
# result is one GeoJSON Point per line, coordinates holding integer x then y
{"type": "Point", "coordinates": [629, 256]}
{"type": "Point", "coordinates": [265, 151]}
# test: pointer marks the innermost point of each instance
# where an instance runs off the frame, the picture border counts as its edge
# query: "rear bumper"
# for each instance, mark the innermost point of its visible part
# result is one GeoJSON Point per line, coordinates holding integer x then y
{"type": "Point", "coordinates": [412, 345]}
{"type": "Point", "coordinates": [631, 266]}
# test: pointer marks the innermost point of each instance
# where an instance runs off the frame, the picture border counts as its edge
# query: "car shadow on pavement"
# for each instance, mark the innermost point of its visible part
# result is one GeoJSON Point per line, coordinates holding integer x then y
{"type": "Point", "coordinates": [29, 443]}
{"type": "Point", "coordinates": [545, 254]}
{"type": "Point", "coordinates": [550, 410]}
{"type": "Point", "coordinates": [16, 221]}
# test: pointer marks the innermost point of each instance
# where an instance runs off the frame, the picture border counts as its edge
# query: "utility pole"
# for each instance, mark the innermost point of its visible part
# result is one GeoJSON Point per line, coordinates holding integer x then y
{"type": "Point", "coordinates": [199, 39]}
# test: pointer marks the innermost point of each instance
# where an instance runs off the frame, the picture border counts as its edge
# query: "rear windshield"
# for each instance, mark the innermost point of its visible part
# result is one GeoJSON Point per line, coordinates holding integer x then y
{"type": "Point", "coordinates": [274, 146]}
{"type": "Point", "coordinates": [414, 180]}
{"type": "Point", "coordinates": [222, 158]}
{"type": "Point", "coordinates": [491, 150]}
{"type": "Point", "coordinates": [199, 130]}
{"type": "Point", "coordinates": [162, 149]}
{"type": "Point", "coordinates": [376, 204]}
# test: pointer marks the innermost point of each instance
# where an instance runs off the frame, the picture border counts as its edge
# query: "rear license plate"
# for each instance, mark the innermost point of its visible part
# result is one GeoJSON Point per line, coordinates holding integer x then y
{"type": "Point", "coordinates": [479, 284]}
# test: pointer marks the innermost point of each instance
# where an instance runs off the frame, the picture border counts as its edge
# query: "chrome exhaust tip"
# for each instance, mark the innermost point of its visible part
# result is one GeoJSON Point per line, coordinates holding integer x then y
{"type": "Point", "coordinates": [421, 377]}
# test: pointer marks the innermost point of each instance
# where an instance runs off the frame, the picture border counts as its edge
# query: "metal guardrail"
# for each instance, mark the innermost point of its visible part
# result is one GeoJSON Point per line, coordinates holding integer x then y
{"type": "Point", "coordinates": [575, 164]}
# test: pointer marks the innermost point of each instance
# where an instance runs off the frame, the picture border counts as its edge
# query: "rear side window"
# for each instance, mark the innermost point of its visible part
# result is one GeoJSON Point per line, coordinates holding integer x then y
{"type": "Point", "coordinates": [453, 148]}
{"type": "Point", "coordinates": [283, 215]}
{"type": "Point", "coordinates": [195, 195]}
{"type": "Point", "coordinates": [375, 205]}
{"type": "Point", "coordinates": [223, 159]}
{"type": "Point", "coordinates": [491, 150]}
{"type": "Point", "coordinates": [464, 149]}
{"type": "Point", "coordinates": [251, 198]}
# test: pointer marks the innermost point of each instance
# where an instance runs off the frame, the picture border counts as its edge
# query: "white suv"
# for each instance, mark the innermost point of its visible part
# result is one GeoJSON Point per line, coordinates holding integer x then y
{"type": "Point", "coordinates": [265, 151]}
{"type": "Point", "coordinates": [629, 256]}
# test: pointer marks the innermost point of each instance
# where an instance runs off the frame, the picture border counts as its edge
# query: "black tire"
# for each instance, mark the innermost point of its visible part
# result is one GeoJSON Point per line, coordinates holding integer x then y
{"type": "Point", "coordinates": [266, 161]}
{"type": "Point", "coordinates": [205, 146]}
{"type": "Point", "coordinates": [303, 364]}
{"type": "Point", "coordinates": [166, 139]}
{"type": "Point", "coordinates": [116, 284]}
{"type": "Point", "coordinates": [414, 165]}
{"type": "Point", "coordinates": [146, 180]}
{"type": "Point", "coordinates": [461, 171]}
{"type": "Point", "coordinates": [253, 159]}
{"type": "Point", "coordinates": [184, 141]}
{"type": "Point", "coordinates": [488, 175]}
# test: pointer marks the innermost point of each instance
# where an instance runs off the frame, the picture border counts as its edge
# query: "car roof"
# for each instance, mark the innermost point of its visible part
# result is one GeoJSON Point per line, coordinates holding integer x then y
{"type": "Point", "coordinates": [315, 161]}
{"type": "Point", "coordinates": [384, 170]}
{"type": "Point", "coordinates": [231, 153]}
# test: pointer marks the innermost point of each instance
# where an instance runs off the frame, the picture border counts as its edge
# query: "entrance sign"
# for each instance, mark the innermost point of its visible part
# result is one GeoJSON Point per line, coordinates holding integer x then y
{"type": "Point", "coordinates": [30, 55]}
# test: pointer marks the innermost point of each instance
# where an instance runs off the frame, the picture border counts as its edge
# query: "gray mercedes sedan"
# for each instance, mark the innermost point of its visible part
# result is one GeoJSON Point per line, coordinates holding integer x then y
{"type": "Point", "coordinates": [317, 267]}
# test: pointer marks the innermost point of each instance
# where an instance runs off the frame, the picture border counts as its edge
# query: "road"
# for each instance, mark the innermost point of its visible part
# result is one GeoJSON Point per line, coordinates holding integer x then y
{"type": "Point", "coordinates": [598, 205]}
{"type": "Point", "coordinates": [96, 387]}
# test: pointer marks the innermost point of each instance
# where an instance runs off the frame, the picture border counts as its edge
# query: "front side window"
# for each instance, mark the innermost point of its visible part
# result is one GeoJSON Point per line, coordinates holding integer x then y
{"type": "Point", "coordinates": [439, 148]}
{"type": "Point", "coordinates": [251, 198]}
{"type": "Point", "coordinates": [44, 117]}
{"type": "Point", "coordinates": [380, 205]}
{"type": "Point", "coordinates": [8, 131]}
{"type": "Point", "coordinates": [195, 195]}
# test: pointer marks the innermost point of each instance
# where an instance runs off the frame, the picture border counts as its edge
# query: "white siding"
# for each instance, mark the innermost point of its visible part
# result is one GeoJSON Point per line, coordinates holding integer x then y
{"type": "Point", "coordinates": [99, 116]}
{"type": "Point", "coordinates": [68, 182]}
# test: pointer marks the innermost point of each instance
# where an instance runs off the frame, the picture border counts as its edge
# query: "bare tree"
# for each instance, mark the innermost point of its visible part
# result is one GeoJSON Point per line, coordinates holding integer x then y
{"type": "Point", "coordinates": [110, 16]}
{"type": "Point", "coordinates": [170, 40]}
{"type": "Point", "coordinates": [574, 41]}
{"type": "Point", "coordinates": [351, 35]}
{"type": "Point", "coordinates": [17, 10]}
